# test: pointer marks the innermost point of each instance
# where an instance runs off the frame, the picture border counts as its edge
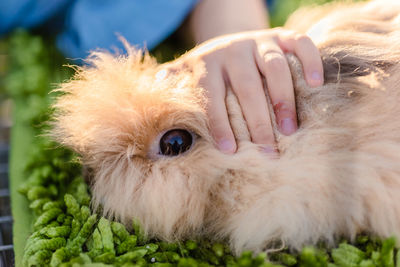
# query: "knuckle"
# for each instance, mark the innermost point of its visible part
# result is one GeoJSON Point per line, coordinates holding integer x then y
{"type": "Point", "coordinates": [275, 62]}
{"type": "Point", "coordinates": [277, 30]}
{"type": "Point", "coordinates": [241, 47]}
{"type": "Point", "coordinates": [251, 43]}
{"type": "Point", "coordinates": [302, 39]}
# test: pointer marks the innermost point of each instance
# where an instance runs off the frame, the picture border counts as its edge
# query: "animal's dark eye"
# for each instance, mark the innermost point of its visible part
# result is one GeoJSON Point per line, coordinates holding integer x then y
{"type": "Point", "coordinates": [175, 142]}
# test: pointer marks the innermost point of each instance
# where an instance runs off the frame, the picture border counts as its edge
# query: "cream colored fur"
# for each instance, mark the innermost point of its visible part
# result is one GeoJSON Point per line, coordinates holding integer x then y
{"type": "Point", "coordinates": [338, 175]}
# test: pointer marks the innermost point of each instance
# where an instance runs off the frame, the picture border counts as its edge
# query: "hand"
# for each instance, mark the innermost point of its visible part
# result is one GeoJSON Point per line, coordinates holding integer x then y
{"type": "Point", "coordinates": [241, 61]}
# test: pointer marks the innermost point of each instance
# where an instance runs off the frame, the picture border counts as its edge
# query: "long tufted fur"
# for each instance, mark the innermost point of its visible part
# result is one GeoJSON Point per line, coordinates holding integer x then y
{"type": "Point", "coordinates": [338, 175]}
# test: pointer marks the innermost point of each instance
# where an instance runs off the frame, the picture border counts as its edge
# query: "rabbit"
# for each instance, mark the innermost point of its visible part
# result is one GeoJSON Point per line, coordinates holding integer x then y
{"type": "Point", "coordinates": [144, 135]}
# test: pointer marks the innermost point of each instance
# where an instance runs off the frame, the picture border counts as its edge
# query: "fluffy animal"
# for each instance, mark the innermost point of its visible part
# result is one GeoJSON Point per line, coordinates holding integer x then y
{"type": "Point", "coordinates": [144, 135]}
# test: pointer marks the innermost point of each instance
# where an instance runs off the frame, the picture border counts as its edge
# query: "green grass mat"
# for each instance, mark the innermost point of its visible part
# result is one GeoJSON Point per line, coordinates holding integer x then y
{"type": "Point", "coordinates": [21, 142]}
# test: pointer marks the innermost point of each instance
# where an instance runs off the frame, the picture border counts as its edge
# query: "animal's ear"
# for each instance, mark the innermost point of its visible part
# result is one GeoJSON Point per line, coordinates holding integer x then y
{"type": "Point", "coordinates": [92, 107]}
{"type": "Point", "coordinates": [339, 65]}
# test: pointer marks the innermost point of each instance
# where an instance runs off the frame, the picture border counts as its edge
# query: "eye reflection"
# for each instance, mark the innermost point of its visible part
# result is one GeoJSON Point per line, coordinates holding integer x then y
{"type": "Point", "coordinates": [175, 142]}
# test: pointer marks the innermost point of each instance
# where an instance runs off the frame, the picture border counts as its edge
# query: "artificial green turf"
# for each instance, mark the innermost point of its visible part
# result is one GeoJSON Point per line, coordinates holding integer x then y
{"type": "Point", "coordinates": [21, 142]}
{"type": "Point", "coordinates": [31, 76]}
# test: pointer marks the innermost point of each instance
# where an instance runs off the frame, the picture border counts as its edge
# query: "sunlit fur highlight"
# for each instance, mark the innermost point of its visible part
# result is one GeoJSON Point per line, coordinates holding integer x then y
{"type": "Point", "coordinates": [338, 175]}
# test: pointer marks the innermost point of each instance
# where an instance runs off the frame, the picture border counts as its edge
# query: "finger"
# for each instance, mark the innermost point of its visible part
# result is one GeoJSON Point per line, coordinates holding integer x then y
{"type": "Point", "coordinates": [220, 127]}
{"type": "Point", "coordinates": [274, 66]}
{"type": "Point", "coordinates": [307, 52]}
{"type": "Point", "coordinates": [246, 83]}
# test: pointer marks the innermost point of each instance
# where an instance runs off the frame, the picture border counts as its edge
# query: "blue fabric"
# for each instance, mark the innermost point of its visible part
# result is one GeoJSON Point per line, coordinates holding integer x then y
{"type": "Point", "coordinates": [96, 23]}
{"type": "Point", "coordinates": [91, 24]}
{"type": "Point", "coordinates": [28, 13]}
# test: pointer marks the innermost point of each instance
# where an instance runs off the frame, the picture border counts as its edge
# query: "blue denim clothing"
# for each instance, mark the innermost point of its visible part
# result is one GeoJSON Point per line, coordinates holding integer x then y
{"type": "Point", "coordinates": [91, 24]}
{"type": "Point", "coordinates": [28, 13]}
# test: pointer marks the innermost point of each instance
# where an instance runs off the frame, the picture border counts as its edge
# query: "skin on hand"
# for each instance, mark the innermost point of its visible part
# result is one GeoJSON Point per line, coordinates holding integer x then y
{"type": "Point", "coordinates": [241, 61]}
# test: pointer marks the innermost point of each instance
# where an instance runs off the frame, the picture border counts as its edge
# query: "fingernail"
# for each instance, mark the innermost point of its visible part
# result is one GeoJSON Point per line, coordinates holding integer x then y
{"type": "Point", "coordinates": [226, 146]}
{"type": "Point", "coordinates": [285, 118]}
{"type": "Point", "coordinates": [288, 126]}
{"type": "Point", "coordinates": [316, 78]}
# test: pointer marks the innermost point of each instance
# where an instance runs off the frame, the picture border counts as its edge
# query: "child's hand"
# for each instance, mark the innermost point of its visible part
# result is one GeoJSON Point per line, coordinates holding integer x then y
{"type": "Point", "coordinates": [241, 61]}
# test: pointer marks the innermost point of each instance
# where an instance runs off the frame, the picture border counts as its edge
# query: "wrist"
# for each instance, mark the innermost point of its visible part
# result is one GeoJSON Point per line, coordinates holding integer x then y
{"type": "Point", "coordinates": [213, 18]}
